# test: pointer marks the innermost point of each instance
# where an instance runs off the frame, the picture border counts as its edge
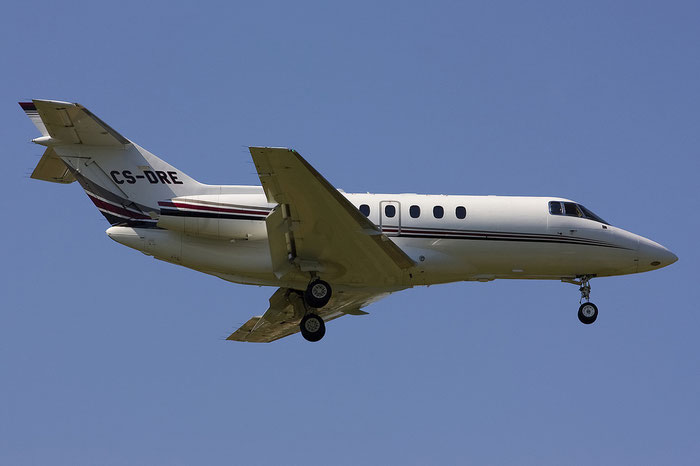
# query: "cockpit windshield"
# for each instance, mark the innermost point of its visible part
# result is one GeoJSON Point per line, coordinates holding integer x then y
{"type": "Point", "coordinates": [572, 209]}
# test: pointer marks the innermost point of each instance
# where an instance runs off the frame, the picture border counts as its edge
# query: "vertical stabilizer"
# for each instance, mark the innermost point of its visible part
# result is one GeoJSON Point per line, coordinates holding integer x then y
{"type": "Point", "coordinates": [123, 180]}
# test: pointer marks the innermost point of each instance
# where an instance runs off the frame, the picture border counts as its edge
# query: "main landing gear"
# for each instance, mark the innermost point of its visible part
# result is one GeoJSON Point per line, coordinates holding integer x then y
{"type": "Point", "coordinates": [312, 327]}
{"type": "Point", "coordinates": [587, 312]}
{"type": "Point", "coordinates": [316, 295]}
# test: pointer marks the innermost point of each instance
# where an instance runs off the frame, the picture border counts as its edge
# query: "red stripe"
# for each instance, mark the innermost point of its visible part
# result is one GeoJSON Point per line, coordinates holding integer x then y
{"type": "Point", "coordinates": [210, 209]}
{"type": "Point", "coordinates": [117, 210]}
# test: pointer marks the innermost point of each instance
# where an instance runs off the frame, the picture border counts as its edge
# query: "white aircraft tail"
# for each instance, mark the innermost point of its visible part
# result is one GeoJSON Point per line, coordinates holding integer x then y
{"type": "Point", "coordinates": [122, 179]}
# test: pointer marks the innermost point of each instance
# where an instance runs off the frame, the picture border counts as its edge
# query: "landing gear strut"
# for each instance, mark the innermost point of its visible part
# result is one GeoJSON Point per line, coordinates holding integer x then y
{"type": "Point", "coordinates": [587, 311]}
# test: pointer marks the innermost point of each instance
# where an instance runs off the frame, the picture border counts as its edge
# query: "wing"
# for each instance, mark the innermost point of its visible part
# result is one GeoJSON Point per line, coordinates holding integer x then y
{"type": "Point", "coordinates": [286, 310]}
{"type": "Point", "coordinates": [316, 229]}
{"type": "Point", "coordinates": [72, 124]}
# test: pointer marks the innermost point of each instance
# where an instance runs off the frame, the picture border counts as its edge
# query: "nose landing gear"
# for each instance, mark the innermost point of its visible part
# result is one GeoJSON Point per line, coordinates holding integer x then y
{"type": "Point", "coordinates": [587, 311]}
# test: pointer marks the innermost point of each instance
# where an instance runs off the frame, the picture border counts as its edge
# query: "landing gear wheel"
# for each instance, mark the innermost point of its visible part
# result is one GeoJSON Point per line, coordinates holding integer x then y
{"type": "Point", "coordinates": [587, 313]}
{"type": "Point", "coordinates": [317, 294]}
{"type": "Point", "coordinates": [312, 327]}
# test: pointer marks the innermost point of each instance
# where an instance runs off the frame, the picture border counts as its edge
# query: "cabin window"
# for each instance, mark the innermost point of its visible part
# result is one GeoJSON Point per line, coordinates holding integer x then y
{"type": "Point", "coordinates": [555, 208]}
{"type": "Point", "coordinates": [438, 211]}
{"type": "Point", "coordinates": [414, 211]}
{"type": "Point", "coordinates": [389, 210]}
{"type": "Point", "coordinates": [461, 212]}
{"type": "Point", "coordinates": [364, 208]}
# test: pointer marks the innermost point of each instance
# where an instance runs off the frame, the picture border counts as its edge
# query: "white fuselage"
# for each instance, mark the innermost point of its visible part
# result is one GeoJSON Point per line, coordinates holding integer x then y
{"type": "Point", "coordinates": [329, 253]}
{"type": "Point", "coordinates": [498, 237]}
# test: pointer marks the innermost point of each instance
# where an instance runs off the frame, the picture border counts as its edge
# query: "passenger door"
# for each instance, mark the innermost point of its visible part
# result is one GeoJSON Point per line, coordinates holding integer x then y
{"type": "Point", "coordinates": [390, 217]}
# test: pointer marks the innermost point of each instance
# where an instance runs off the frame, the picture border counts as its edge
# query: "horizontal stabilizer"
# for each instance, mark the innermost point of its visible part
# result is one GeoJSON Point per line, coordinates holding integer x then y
{"type": "Point", "coordinates": [67, 123]}
{"type": "Point", "coordinates": [51, 168]}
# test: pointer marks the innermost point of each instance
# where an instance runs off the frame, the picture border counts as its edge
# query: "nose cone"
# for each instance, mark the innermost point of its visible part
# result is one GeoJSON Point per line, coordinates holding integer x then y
{"type": "Point", "coordinates": [653, 256]}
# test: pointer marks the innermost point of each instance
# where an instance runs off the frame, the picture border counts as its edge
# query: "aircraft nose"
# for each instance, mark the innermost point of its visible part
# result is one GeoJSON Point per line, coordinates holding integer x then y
{"type": "Point", "coordinates": [654, 256]}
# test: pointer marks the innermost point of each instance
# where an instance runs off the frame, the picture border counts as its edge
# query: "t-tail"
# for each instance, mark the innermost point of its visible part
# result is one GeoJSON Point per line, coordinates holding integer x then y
{"type": "Point", "coordinates": [123, 180]}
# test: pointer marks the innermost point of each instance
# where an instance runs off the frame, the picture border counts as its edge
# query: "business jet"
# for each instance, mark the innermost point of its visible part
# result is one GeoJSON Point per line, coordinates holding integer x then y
{"type": "Point", "coordinates": [329, 253]}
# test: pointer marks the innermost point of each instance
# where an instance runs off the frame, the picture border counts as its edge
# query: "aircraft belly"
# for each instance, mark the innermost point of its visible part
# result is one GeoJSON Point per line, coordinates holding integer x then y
{"type": "Point", "coordinates": [238, 258]}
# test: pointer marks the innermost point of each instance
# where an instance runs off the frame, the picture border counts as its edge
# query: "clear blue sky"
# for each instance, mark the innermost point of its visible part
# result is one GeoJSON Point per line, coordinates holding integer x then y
{"type": "Point", "coordinates": [110, 357]}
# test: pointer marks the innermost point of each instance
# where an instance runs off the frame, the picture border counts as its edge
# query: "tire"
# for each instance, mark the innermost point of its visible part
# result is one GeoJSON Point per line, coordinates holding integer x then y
{"type": "Point", "coordinates": [317, 294]}
{"type": "Point", "coordinates": [587, 313]}
{"type": "Point", "coordinates": [312, 327]}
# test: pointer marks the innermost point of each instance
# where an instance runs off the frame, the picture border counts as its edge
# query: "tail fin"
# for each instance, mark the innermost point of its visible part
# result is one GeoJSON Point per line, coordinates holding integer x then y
{"type": "Point", "coordinates": [122, 179]}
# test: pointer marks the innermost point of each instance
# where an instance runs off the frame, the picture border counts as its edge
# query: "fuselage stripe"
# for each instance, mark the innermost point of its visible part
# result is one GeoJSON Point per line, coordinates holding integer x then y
{"type": "Point", "coordinates": [201, 214]}
{"type": "Point", "coordinates": [116, 210]}
{"type": "Point", "coordinates": [115, 204]}
{"type": "Point", "coordinates": [182, 205]}
{"type": "Point", "coordinates": [491, 237]}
